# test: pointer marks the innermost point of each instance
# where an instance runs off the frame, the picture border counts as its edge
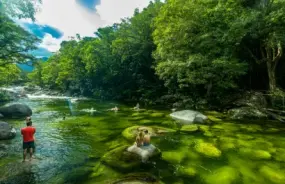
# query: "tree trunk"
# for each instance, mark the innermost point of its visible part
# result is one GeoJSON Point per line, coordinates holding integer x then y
{"type": "Point", "coordinates": [271, 75]}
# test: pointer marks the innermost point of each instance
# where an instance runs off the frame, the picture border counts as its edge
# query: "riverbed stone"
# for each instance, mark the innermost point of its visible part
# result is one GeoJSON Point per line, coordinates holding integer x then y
{"type": "Point", "coordinates": [174, 157]}
{"type": "Point", "coordinates": [120, 159]}
{"type": "Point", "coordinates": [186, 171]}
{"type": "Point", "coordinates": [6, 131]}
{"type": "Point", "coordinates": [16, 110]}
{"type": "Point", "coordinates": [130, 133]}
{"type": "Point", "coordinates": [189, 128]}
{"type": "Point", "coordinates": [255, 154]}
{"type": "Point", "coordinates": [157, 115]}
{"type": "Point", "coordinates": [189, 116]}
{"type": "Point", "coordinates": [246, 113]}
{"type": "Point", "coordinates": [223, 175]}
{"type": "Point", "coordinates": [280, 155]}
{"type": "Point", "coordinates": [208, 134]}
{"type": "Point", "coordinates": [207, 149]}
{"type": "Point", "coordinates": [137, 178]}
{"type": "Point", "coordinates": [273, 175]}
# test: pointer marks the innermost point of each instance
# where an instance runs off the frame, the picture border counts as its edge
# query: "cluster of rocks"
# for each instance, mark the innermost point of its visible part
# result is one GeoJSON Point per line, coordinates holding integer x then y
{"type": "Point", "coordinates": [12, 111]}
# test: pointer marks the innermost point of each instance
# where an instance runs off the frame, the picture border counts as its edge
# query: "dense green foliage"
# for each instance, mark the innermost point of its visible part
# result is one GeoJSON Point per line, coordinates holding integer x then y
{"type": "Point", "coordinates": [15, 42]}
{"type": "Point", "coordinates": [181, 50]}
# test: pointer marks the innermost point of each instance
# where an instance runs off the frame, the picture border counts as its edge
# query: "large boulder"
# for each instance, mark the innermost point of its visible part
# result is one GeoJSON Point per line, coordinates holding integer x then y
{"type": "Point", "coordinates": [16, 110]}
{"type": "Point", "coordinates": [6, 131]}
{"type": "Point", "coordinates": [246, 113]}
{"type": "Point", "coordinates": [189, 116]}
{"type": "Point", "coordinates": [145, 152]}
{"type": "Point", "coordinates": [123, 160]}
{"type": "Point", "coordinates": [251, 99]}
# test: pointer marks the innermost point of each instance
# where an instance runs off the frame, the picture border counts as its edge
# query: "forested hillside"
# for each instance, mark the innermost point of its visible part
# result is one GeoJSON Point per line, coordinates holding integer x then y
{"type": "Point", "coordinates": [179, 51]}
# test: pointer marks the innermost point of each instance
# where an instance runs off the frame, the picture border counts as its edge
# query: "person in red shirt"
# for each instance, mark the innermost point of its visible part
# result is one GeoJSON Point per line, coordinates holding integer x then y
{"type": "Point", "coordinates": [28, 138]}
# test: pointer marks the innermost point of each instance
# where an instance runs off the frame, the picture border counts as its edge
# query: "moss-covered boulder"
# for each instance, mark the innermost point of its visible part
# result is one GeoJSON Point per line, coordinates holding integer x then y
{"type": "Point", "coordinates": [173, 157]}
{"type": "Point", "coordinates": [157, 115]}
{"type": "Point", "coordinates": [223, 175]}
{"type": "Point", "coordinates": [130, 133]}
{"type": "Point", "coordinates": [255, 154]}
{"type": "Point", "coordinates": [137, 178]}
{"type": "Point", "coordinates": [204, 128]}
{"type": "Point", "coordinates": [207, 149]}
{"type": "Point", "coordinates": [186, 171]}
{"type": "Point", "coordinates": [280, 155]}
{"type": "Point", "coordinates": [272, 175]}
{"type": "Point", "coordinates": [208, 134]}
{"type": "Point", "coordinates": [119, 158]}
{"type": "Point", "coordinates": [136, 114]}
{"type": "Point", "coordinates": [189, 128]}
{"type": "Point", "coordinates": [213, 118]}
{"type": "Point", "coordinates": [147, 122]}
{"type": "Point", "coordinates": [244, 136]}
{"type": "Point", "coordinates": [227, 146]}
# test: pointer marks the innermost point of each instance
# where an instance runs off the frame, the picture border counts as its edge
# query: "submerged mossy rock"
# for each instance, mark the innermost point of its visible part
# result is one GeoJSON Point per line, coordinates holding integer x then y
{"type": "Point", "coordinates": [173, 157]}
{"type": "Point", "coordinates": [207, 149]}
{"type": "Point", "coordinates": [157, 115]}
{"type": "Point", "coordinates": [246, 113]}
{"type": "Point", "coordinates": [189, 128]}
{"type": "Point", "coordinates": [208, 134]}
{"type": "Point", "coordinates": [227, 146]}
{"type": "Point", "coordinates": [223, 175]}
{"type": "Point", "coordinates": [119, 158]}
{"type": "Point", "coordinates": [255, 154]}
{"type": "Point", "coordinates": [131, 132]}
{"type": "Point", "coordinates": [280, 155]}
{"type": "Point", "coordinates": [186, 171]}
{"type": "Point", "coordinates": [137, 178]}
{"type": "Point", "coordinates": [204, 128]}
{"type": "Point", "coordinates": [272, 175]}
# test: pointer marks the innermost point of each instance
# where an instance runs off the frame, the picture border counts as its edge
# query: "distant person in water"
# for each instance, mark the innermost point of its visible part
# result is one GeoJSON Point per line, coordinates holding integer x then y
{"type": "Point", "coordinates": [146, 138]}
{"type": "Point", "coordinates": [28, 138]}
{"type": "Point", "coordinates": [115, 109]}
{"type": "Point", "coordinates": [137, 107]}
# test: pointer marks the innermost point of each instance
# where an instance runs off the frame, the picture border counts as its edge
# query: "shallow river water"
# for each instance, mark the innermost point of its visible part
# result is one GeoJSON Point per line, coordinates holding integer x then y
{"type": "Point", "coordinates": [72, 150]}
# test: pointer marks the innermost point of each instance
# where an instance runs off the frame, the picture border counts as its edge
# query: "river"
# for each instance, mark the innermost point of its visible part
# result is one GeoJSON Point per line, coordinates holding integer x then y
{"type": "Point", "coordinates": [71, 150]}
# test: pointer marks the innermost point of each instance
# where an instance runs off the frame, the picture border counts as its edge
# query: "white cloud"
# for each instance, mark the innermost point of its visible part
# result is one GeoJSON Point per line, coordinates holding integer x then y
{"type": "Point", "coordinates": [50, 43]}
{"type": "Point", "coordinates": [71, 18]}
{"type": "Point", "coordinates": [114, 10]}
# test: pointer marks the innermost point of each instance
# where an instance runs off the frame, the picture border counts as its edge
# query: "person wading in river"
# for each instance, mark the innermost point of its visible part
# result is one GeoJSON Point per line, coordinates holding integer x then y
{"type": "Point", "coordinates": [28, 138]}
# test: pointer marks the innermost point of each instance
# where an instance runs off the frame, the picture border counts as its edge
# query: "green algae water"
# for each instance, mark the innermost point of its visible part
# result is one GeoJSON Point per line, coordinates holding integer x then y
{"type": "Point", "coordinates": [87, 147]}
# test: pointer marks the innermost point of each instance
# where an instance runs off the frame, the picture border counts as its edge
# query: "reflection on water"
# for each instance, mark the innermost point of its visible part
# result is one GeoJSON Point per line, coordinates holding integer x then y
{"type": "Point", "coordinates": [69, 151]}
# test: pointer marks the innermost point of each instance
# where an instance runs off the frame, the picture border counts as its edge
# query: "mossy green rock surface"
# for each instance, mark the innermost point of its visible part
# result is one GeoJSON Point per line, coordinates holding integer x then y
{"type": "Point", "coordinates": [119, 158]}
{"type": "Point", "coordinates": [189, 128]}
{"type": "Point", "coordinates": [272, 175]}
{"type": "Point", "coordinates": [223, 175]}
{"type": "Point", "coordinates": [255, 154]}
{"type": "Point", "coordinates": [207, 149]}
{"type": "Point", "coordinates": [137, 178]}
{"type": "Point", "coordinates": [174, 157]}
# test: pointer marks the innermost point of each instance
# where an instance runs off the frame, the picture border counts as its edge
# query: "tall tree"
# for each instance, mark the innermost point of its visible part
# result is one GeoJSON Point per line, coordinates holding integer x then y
{"type": "Point", "coordinates": [15, 42]}
{"type": "Point", "coordinates": [265, 39]}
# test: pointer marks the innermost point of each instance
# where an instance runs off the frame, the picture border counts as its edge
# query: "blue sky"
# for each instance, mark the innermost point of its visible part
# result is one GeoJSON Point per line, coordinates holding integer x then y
{"type": "Point", "coordinates": [59, 20]}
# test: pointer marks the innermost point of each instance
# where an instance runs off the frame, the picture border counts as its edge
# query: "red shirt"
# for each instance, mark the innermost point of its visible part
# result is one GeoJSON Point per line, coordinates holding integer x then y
{"type": "Point", "coordinates": [28, 133]}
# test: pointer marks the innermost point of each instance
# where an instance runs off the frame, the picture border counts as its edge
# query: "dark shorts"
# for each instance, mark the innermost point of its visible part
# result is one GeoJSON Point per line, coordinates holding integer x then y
{"type": "Point", "coordinates": [27, 145]}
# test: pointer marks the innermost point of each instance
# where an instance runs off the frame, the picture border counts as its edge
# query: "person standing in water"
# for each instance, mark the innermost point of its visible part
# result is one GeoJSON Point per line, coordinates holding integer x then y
{"type": "Point", "coordinates": [28, 138]}
{"type": "Point", "coordinates": [146, 138]}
